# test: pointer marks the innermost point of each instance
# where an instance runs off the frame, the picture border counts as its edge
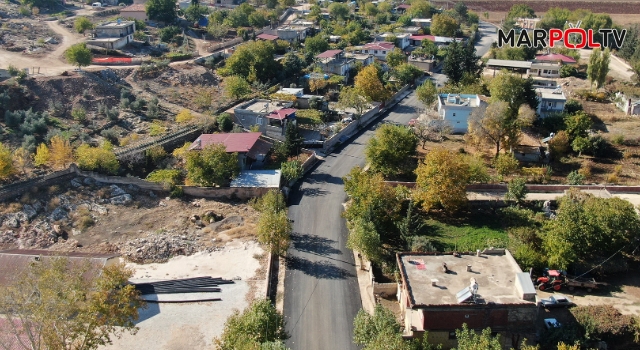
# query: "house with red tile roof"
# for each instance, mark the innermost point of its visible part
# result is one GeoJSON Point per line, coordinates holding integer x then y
{"type": "Point", "coordinates": [555, 57]}
{"type": "Point", "coordinates": [251, 149]}
{"type": "Point", "coordinates": [335, 62]}
{"type": "Point", "coordinates": [267, 37]}
{"type": "Point", "coordinates": [379, 49]}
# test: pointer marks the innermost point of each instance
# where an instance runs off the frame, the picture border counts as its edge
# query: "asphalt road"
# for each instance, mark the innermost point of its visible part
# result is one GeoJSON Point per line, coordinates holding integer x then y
{"type": "Point", "coordinates": [321, 289]}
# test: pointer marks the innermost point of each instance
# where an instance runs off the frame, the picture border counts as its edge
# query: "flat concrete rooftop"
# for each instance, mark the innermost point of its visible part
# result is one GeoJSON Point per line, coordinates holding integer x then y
{"type": "Point", "coordinates": [122, 24]}
{"type": "Point", "coordinates": [495, 275]}
{"type": "Point", "coordinates": [263, 106]}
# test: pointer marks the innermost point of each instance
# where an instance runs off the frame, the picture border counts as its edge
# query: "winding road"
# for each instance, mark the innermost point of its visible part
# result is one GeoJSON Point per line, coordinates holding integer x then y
{"type": "Point", "coordinates": [321, 296]}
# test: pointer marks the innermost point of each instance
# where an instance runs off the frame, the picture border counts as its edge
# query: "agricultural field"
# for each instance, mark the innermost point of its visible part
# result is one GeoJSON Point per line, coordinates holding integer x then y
{"type": "Point", "coordinates": [611, 7]}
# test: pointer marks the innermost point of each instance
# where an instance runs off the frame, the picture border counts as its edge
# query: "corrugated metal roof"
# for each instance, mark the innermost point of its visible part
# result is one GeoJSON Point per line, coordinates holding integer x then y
{"type": "Point", "coordinates": [508, 63]}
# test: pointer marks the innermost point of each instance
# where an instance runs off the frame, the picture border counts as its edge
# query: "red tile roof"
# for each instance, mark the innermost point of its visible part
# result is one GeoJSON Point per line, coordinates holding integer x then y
{"type": "Point", "coordinates": [381, 45]}
{"type": "Point", "coordinates": [234, 142]}
{"type": "Point", "coordinates": [555, 57]}
{"type": "Point", "coordinates": [403, 6]}
{"type": "Point", "coordinates": [260, 147]}
{"type": "Point", "coordinates": [329, 53]}
{"type": "Point", "coordinates": [281, 113]}
{"type": "Point", "coordinates": [267, 37]}
{"type": "Point", "coordinates": [422, 37]}
{"type": "Point", "coordinates": [134, 8]}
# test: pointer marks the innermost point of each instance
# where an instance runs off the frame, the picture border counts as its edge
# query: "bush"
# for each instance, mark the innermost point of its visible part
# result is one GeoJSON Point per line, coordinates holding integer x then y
{"type": "Point", "coordinates": [506, 164]}
{"type": "Point", "coordinates": [528, 257]}
{"type": "Point", "coordinates": [184, 116]}
{"type": "Point", "coordinates": [422, 244]}
{"type": "Point", "coordinates": [157, 129]}
{"type": "Point", "coordinates": [79, 114]}
{"type": "Point", "coordinates": [13, 119]}
{"type": "Point", "coordinates": [111, 135]}
{"type": "Point", "coordinates": [178, 56]}
{"type": "Point", "coordinates": [166, 34]}
{"type": "Point", "coordinates": [600, 147]}
{"type": "Point", "coordinates": [567, 71]}
{"type": "Point", "coordinates": [575, 178]}
{"type": "Point", "coordinates": [225, 123]}
{"type": "Point", "coordinates": [138, 105]}
{"type": "Point", "coordinates": [156, 154]}
{"type": "Point", "coordinates": [618, 139]}
{"type": "Point", "coordinates": [167, 177]}
{"type": "Point", "coordinates": [559, 145]}
{"type": "Point", "coordinates": [573, 106]}
{"type": "Point", "coordinates": [603, 322]}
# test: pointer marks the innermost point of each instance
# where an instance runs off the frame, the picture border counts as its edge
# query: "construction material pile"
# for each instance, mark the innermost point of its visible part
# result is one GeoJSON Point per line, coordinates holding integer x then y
{"type": "Point", "coordinates": [205, 284]}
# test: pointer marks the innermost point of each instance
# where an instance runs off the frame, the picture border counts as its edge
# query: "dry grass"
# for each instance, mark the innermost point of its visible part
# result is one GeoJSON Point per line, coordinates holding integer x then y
{"type": "Point", "coordinates": [53, 203]}
{"type": "Point", "coordinates": [10, 208]}
{"type": "Point", "coordinates": [240, 231]}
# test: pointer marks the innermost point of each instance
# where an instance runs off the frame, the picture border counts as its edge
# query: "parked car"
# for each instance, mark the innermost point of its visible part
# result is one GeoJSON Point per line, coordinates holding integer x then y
{"type": "Point", "coordinates": [96, 5]}
{"type": "Point", "coordinates": [556, 301]}
{"type": "Point", "coordinates": [551, 323]}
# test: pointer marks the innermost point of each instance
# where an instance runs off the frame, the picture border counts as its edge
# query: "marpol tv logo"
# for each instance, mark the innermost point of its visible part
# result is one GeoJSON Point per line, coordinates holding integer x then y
{"type": "Point", "coordinates": [573, 37]}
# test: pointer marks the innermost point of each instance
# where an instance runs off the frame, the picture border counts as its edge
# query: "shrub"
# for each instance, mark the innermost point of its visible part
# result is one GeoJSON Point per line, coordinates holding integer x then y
{"type": "Point", "coordinates": [603, 322]}
{"type": "Point", "coordinates": [156, 154]}
{"type": "Point", "coordinates": [559, 145]}
{"type": "Point", "coordinates": [84, 219]}
{"type": "Point", "coordinates": [79, 114]}
{"type": "Point", "coordinates": [111, 135]}
{"type": "Point", "coordinates": [573, 106]}
{"type": "Point", "coordinates": [137, 105]}
{"type": "Point", "coordinates": [224, 122]}
{"type": "Point", "coordinates": [184, 116]}
{"type": "Point", "coordinates": [12, 70]}
{"type": "Point", "coordinates": [528, 257]}
{"type": "Point", "coordinates": [157, 129]}
{"type": "Point", "coordinates": [422, 244]}
{"type": "Point", "coordinates": [575, 178]}
{"type": "Point", "coordinates": [178, 56]}
{"type": "Point", "coordinates": [167, 177]}
{"type": "Point", "coordinates": [506, 164]}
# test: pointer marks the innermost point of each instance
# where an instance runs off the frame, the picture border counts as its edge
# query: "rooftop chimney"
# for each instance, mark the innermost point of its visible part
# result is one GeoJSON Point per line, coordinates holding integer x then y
{"type": "Point", "coordinates": [468, 268]}
{"type": "Point", "coordinates": [434, 282]}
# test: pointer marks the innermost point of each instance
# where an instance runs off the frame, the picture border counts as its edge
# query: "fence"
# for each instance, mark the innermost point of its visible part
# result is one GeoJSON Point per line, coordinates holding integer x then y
{"type": "Point", "coordinates": [169, 140]}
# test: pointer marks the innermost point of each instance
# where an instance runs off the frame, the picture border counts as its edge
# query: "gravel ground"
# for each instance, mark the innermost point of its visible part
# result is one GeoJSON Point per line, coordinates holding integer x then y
{"type": "Point", "coordinates": [194, 325]}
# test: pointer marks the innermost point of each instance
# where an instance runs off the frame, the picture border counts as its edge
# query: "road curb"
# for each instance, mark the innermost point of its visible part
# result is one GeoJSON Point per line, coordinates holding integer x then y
{"type": "Point", "coordinates": [365, 285]}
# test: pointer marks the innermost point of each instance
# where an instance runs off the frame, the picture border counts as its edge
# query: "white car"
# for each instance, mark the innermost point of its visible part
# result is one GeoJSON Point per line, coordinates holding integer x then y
{"type": "Point", "coordinates": [551, 323]}
{"type": "Point", "coordinates": [96, 5]}
{"type": "Point", "coordinates": [556, 301]}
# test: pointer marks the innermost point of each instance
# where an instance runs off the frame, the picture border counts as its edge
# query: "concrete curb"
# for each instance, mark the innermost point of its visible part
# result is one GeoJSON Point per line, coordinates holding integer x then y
{"type": "Point", "coordinates": [365, 285]}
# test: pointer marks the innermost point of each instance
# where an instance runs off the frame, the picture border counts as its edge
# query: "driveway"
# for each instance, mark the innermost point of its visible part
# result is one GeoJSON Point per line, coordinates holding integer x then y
{"type": "Point", "coordinates": [488, 35]}
{"type": "Point", "coordinates": [321, 290]}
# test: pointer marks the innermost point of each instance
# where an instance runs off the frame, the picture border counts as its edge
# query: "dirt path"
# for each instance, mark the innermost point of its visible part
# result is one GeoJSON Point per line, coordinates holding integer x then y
{"type": "Point", "coordinates": [617, 67]}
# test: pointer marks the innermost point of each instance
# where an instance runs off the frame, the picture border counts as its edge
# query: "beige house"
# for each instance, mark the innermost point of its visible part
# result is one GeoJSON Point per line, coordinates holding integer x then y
{"type": "Point", "coordinates": [136, 11]}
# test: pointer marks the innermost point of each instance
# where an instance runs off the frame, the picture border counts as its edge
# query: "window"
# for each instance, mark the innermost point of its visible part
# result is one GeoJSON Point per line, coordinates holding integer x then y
{"type": "Point", "coordinates": [375, 51]}
{"type": "Point", "coordinates": [452, 335]}
{"type": "Point", "coordinates": [259, 120]}
{"type": "Point", "coordinates": [384, 52]}
{"type": "Point", "coordinates": [454, 114]}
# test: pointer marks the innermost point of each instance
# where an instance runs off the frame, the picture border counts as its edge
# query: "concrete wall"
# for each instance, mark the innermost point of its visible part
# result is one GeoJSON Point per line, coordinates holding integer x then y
{"type": "Point", "coordinates": [139, 15]}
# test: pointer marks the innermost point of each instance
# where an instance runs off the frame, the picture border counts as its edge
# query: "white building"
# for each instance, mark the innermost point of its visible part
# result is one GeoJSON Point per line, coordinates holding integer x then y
{"type": "Point", "coordinates": [401, 39]}
{"type": "Point", "coordinates": [113, 35]}
{"type": "Point", "coordinates": [550, 101]}
{"type": "Point", "coordinates": [379, 49]}
{"type": "Point", "coordinates": [456, 108]}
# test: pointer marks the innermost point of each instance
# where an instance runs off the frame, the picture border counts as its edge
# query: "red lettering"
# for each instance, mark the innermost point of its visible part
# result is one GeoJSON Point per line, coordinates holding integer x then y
{"type": "Point", "coordinates": [554, 35]}
{"type": "Point", "coordinates": [583, 39]}
{"type": "Point", "coordinates": [592, 44]}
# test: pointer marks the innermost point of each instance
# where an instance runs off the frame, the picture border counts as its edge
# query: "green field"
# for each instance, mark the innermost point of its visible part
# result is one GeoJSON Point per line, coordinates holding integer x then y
{"type": "Point", "coordinates": [476, 231]}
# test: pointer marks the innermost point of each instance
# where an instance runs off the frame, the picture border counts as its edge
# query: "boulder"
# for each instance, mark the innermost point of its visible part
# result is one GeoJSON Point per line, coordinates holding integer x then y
{"type": "Point", "coordinates": [122, 199]}
{"type": "Point", "coordinates": [77, 182]}
{"type": "Point", "coordinates": [99, 209]}
{"type": "Point", "coordinates": [58, 214]}
{"type": "Point", "coordinates": [11, 221]}
{"type": "Point", "coordinates": [89, 181]}
{"type": "Point", "coordinates": [29, 211]}
{"type": "Point", "coordinates": [133, 188]}
{"type": "Point", "coordinates": [116, 191]}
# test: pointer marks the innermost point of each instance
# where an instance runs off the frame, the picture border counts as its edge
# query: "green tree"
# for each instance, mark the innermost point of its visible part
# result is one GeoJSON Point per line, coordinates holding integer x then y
{"type": "Point", "coordinates": [364, 238]}
{"type": "Point", "coordinates": [555, 17]}
{"type": "Point", "coordinates": [427, 93]}
{"type": "Point", "coordinates": [514, 90]}
{"type": "Point", "coordinates": [442, 180]}
{"type": "Point", "coordinates": [217, 30]}
{"type": "Point", "coordinates": [516, 190]}
{"type": "Point", "coordinates": [350, 97]}
{"type": "Point", "coordinates": [78, 55]}
{"type": "Point", "coordinates": [274, 227]}
{"type": "Point", "coordinates": [575, 178]}
{"type": "Point", "coordinates": [598, 66]}
{"type": "Point", "coordinates": [6, 162]}
{"type": "Point", "coordinates": [97, 158]}
{"type": "Point", "coordinates": [506, 164]}
{"type": "Point", "coordinates": [66, 305]}
{"type": "Point", "coordinates": [420, 9]}
{"type": "Point", "coordinates": [260, 326]}
{"type": "Point", "coordinates": [396, 57]}
{"type": "Point", "coordinates": [460, 61]}
{"type": "Point", "coordinates": [392, 151]}
{"type": "Point", "coordinates": [82, 24]}
{"type": "Point", "coordinates": [212, 166]}
{"type": "Point", "coordinates": [292, 64]}
{"type": "Point", "coordinates": [167, 34]}
{"type": "Point", "coordinates": [581, 144]}
{"type": "Point", "coordinates": [292, 139]}
{"type": "Point", "coordinates": [468, 339]}
{"type": "Point", "coordinates": [339, 10]}
{"type": "Point", "coordinates": [315, 45]}
{"type": "Point", "coordinates": [369, 84]}
{"type": "Point", "coordinates": [236, 87]}
{"type": "Point", "coordinates": [407, 73]}
{"type": "Point", "coordinates": [370, 10]}
{"type": "Point", "coordinates": [225, 124]}
{"type": "Point", "coordinates": [161, 10]}
{"type": "Point", "coordinates": [444, 25]}
{"type": "Point", "coordinates": [193, 13]}
{"type": "Point", "coordinates": [578, 125]}
{"type": "Point", "coordinates": [252, 61]}
{"type": "Point", "coordinates": [367, 329]}
{"type": "Point", "coordinates": [291, 170]}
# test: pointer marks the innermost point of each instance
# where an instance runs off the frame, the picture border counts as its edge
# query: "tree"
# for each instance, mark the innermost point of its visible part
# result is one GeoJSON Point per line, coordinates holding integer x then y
{"type": "Point", "coordinates": [339, 10]}
{"type": "Point", "coordinates": [59, 304]}
{"type": "Point", "coordinates": [427, 93]}
{"type": "Point", "coordinates": [225, 124]}
{"type": "Point", "coordinates": [21, 159]}
{"type": "Point", "coordinates": [291, 170]}
{"type": "Point", "coordinates": [432, 129]}
{"type": "Point", "coordinates": [167, 34]}
{"type": "Point", "coordinates": [555, 17]}
{"type": "Point", "coordinates": [506, 164]}
{"type": "Point", "coordinates": [236, 87]}
{"type": "Point", "coordinates": [407, 73]}
{"type": "Point", "coordinates": [420, 9]}
{"type": "Point", "coordinates": [161, 10]}
{"type": "Point", "coordinates": [396, 57]}
{"type": "Point", "coordinates": [468, 339]}
{"type": "Point", "coordinates": [350, 97]}
{"type": "Point", "coordinates": [212, 166]}
{"type": "Point", "coordinates": [364, 238]}
{"type": "Point", "coordinates": [287, 3]}
{"type": "Point", "coordinates": [369, 84]}
{"type": "Point", "coordinates": [516, 190]}
{"type": "Point", "coordinates": [258, 327]}
{"type": "Point", "coordinates": [292, 139]}
{"type": "Point", "coordinates": [317, 84]}
{"type": "Point", "coordinates": [82, 24]}
{"type": "Point", "coordinates": [42, 155]}
{"type": "Point", "coordinates": [444, 25]}
{"type": "Point", "coordinates": [315, 45]}
{"type": "Point", "coordinates": [588, 227]}
{"type": "Point", "coordinates": [581, 144]}
{"type": "Point", "coordinates": [217, 30]}
{"type": "Point", "coordinates": [370, 10]}
{"type": "Point", "coordinates": [193, 13]}
{"type": "Point", "coordinates": [274, 227]}
{"type": "Point", "coordinates": [368, 329]}
{"type": "Point", "coordinates": [392, 151]}
{"type": "Point", "coordinates": [292, 64]}
{"type": "Point", "coordinates": [442, 180]}
{"type": "Point", "coordinates": [559, 145]}
{"type": "Point", "coordinates": [461, 61]}
{"type": "Point", "coordinates": [78, 55]}
{"type": "Point", "coordinates": [6, 162]}
{"type": "Point", "coordinates": [252, 61]}
{"type": "Point", "coordinates": [578, 125]}
{"type": "Point", "coordinates": [97, 158]}
{"type": "Point", "coordinates": [184, 116]}
{"type": "Point", "coordinates": [598, 66]}
{"type": "Point", "coordinates": [513, 90]}
{"type": "Point", "coordinates": [61, 152]}
{"type": "Point", "coordinates": [490, 125]}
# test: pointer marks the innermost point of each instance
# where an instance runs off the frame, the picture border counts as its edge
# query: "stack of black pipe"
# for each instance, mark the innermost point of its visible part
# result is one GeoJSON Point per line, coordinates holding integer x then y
{"type": "Point", "coordinates": [187, 285]}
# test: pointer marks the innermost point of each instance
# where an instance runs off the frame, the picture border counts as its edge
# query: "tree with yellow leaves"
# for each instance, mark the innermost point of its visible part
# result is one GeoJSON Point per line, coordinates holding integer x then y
{"type": "Point", "coordinates": [97, 158]}
{"type": "Point", "coordinates": [442, 180]}
{"type": "Point", "coordinates": [368, 82]}
{"type": "Point", "coordinates": [61, 152]}
{"type": "Point", "coordinates": [184, 116]}
{"type": "Point", "coordinates": [21, 159]}
{"type": "Point", "coordinates": [6, 162]}
{"type": "Point", "coordinates": [42, 155]}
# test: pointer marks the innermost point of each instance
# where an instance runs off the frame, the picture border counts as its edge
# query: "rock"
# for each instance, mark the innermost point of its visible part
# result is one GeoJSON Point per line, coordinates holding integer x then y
{"type": "Point", "coordinates": [75, 232]}
{"type": "Point", "coordinates": [162, 204]}
{"type": "Point", "coordinates": [11, 221]}
{"type": "Point", "coordinates": [89, 181]}
{"type": "Point", "coordinates": [194, 218]}
{"type": "Point", "coordinates": [152, 195]}
{"type": "Point", "coordinates": [38, 206]}
{"type": "Point", "coordinates": [122, 199]}
{"type": "Point", "coordinates": [229, 222]}
{"type": "Point", "coordinates": [133, 188]}
{"type": "Point", "coordinates": [58, 230]}
{"type": "Point", "coordinates": [199, 223]}
{"type": "Point", "coordinates": [76, 182]}
{"type": "Point", "coordinates": [100, 209]}
{"type": "Point", "coordinates": [58, 214]}
{"type": "Point", "coordinates": [24, 217]}
{"type": "Point", "coordinates": [116, 191]}
{"type": "Point", "coordinates": [29, 211]}
{"type": "Point", "coordinates": [196, 204]}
